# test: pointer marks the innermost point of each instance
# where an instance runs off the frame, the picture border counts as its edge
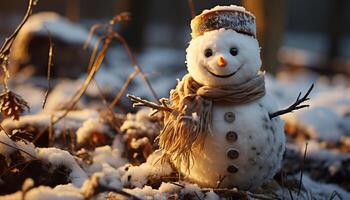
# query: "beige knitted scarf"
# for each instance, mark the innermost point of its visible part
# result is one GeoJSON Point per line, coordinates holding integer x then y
{"type": "Point", "coordinates": [187, 126]}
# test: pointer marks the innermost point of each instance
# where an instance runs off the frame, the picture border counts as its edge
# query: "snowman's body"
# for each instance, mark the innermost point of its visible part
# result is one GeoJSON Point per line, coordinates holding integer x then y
{"type": "Point", "coordinates": [244, 149]}
{"type": "Point", "coordinates": [244, 146]}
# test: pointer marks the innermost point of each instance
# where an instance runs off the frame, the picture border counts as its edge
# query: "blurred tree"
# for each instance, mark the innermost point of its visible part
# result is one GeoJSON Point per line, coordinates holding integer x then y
{"type": "Point", "coordinates": [336, 29]}
{"type": "Point", "coordinates": [73, 10]}
{"type": "Point", "coordinates": [270, 17]}
{"type": "Point", "coordinates": [135, 29]}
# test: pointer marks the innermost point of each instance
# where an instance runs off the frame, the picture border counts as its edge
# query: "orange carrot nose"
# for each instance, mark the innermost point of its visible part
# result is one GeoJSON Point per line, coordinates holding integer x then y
{"type": "Point", "coordinates": [222, 62]}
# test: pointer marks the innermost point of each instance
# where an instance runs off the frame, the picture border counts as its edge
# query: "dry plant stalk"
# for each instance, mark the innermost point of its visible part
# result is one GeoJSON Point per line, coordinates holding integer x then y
{"type": "Point", "coordinates": [11, 104]}
{"type": "Point", "coordinates": [96, 60]}
{"type": "Point", "coordinates": [49, 66]}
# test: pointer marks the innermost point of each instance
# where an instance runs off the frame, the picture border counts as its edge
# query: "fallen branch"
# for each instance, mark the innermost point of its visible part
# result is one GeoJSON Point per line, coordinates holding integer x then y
{"type": "Point", "coordinates": [295, 106]}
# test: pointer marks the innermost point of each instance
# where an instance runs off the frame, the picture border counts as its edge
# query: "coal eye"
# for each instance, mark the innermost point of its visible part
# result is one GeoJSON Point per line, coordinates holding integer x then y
{"type": "Point", "coordinates": [208, 52]}
{"type": "Point", "coordinates": [234, 51]}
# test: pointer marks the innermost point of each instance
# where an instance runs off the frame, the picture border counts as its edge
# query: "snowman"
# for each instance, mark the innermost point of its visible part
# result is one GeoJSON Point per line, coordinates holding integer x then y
{"type": "Point", "coordinates": [221, 128]}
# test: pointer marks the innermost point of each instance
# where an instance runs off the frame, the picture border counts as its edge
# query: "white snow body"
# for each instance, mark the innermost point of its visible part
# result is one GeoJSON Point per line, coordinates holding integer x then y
{"type": "Point", "coordinates": [245, 146]}
{"type": "Point", "coordinates": [256, 153]}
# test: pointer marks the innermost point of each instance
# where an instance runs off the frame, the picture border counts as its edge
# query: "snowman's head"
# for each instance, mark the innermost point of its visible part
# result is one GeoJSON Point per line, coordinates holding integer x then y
{"type": "Point", "coordinates": [223, 57]}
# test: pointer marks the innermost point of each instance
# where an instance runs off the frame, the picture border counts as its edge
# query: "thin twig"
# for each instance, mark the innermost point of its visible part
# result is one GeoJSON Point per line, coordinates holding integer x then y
{"type": "Point", "coordinates": [21, 150]}
{"type": "Point", "coordinates": [141, 102]}
{"type": "Point", "coordinates": [6, 47]}
{"type": "Point", "coordinates": [51, 131]}
{"type": "Point", "coordinates": [135, 63]}
{"type": "Point", "coordinates": [17, 165]}
{"type": "Point", "coordinates": [261, 197]}
{"type": "Point", "coordinates": [177, 184]}
{"type": "Point", "coordinates": [49, 66]}
{"type": "Point", "coordinates": [196, 194]}
{"type": "Point", "coordinates": [295, 106]}
{"type": "Point", "coordinates": [123, 89]}
{"type": "Point", "coordinates": [76, 97]}
{"type": "Point", "coordinates": [221, 179]}
{"type": "Point", "coordinates": [94, 53]}
{"type": "Point", "coordinates": [290, 193]}
{"type": "Point", "coordinates": [114, 120]}
{"type": "Point", "coordinates": [302, 170]}
{"type": "Point", "coordinates": [335, 194]}
{"type": "Point", "coordinates": [6, 133]}
{"type": "Point", "coordinates": [93, 29]}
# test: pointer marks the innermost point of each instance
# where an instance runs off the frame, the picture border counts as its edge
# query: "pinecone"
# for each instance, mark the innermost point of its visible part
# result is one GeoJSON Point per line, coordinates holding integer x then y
{"type": "Point", "coordinates": [12, 105]}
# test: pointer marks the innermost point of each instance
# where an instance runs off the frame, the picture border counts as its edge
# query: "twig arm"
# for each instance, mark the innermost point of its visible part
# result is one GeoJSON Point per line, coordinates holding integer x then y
{"type": "Point", "coordinates": [156, 107]}
{"type": "Point", "coordinates": [295, 106]}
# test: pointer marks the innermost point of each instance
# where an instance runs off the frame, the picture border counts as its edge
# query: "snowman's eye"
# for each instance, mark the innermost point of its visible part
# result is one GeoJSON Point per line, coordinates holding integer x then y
{"type": "Point", "coordinates": [234, 51]}
{"type": "Point", "coordinates": [208, 52]}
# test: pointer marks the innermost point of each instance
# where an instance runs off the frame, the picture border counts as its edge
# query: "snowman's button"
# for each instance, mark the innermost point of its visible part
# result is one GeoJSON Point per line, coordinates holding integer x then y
{"type": "Point", "coordinates": [231, 136]}
{"type": "Point", "coordinates": [232, 169]}
{"type": "Point", "coordinates": [232, 154]}
{"type": "Point", "coordinates": [229, 117]}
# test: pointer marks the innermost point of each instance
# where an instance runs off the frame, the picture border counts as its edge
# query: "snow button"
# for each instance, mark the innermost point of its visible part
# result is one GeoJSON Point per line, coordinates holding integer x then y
{"type": "Point", "coordinates": [231, 136]}
{"type": "Point", "coordinates": [232, 169]}
{"type": "Point", "coordinates": [232, 154]}
{"type": "Point", "coordinates": [229, 117]}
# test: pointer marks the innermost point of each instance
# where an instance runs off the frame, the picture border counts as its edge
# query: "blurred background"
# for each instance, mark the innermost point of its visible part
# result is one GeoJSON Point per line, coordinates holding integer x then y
{"type": "Point", "coordinates": [314, 34]}
{"type": "Point", "coordinates": [302, 42]}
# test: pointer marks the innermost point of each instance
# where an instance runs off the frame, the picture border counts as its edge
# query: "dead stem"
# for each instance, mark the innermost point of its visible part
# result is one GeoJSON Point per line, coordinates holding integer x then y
{"type": "Point", "coordinates": [51, 131]}
{"type": "Point", "coordinates": [123, 89]}
{"type": "Point", "coordinates": [49, 66]}
{"type": "Point", "coordinates": [18, 149]}
{"type": "Point", "coordinates": [221, 179]}
{"type": "Point", "coordinates": [97, 64]}
{"type": "Point", "coordinates": [6, 47]}
{"type": "Point", "coordinates": [6, 133]}
{"type": "Point", "coordinates": [92, 31]}
{"type": "Point", "coordinates": [114, 120]}
{"type": "Point", "coordinates": [302, 169]}
{"type": "Point", "coordinates": [76, 97]}
{"type": "Point", "coordinates": [135, 64]}
{"type": "Point", "coordinates": [94, 53]}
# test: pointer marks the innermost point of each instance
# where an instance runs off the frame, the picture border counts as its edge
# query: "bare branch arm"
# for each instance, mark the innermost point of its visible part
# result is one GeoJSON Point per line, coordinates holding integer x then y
{"type": "Point", "coordinates": [295, 106]}
{"type": "Point", "coordinates": [141, 102]}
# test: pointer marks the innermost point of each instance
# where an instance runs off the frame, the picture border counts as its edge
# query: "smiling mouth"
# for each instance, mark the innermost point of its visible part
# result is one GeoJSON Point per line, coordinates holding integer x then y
{"type": "Point", "coordinates": [223, 76]}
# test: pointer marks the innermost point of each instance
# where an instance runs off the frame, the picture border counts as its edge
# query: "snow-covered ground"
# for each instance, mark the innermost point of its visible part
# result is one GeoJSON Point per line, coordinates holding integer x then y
{"type": "Point", "coordinates": [112, 168]}
{"type": "Point", "coordinates": [93, 153]}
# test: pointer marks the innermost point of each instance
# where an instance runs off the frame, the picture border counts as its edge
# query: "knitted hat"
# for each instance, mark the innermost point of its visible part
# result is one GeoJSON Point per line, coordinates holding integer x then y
{"type": "Point", "coordinates": [228, 17]}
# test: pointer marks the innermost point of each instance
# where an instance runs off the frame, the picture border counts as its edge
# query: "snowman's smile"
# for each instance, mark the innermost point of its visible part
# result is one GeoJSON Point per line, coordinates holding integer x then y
{"type": "Point", "coordinates": [225, 75]}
